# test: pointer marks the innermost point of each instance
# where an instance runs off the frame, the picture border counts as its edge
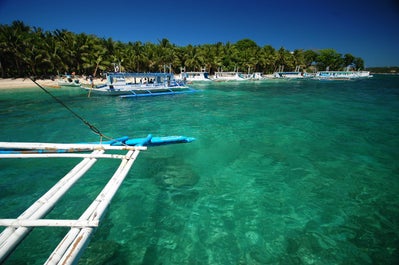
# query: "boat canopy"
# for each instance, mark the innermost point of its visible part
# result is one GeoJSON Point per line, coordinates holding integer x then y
{"type": "Point", "coordinates": [139, 75]}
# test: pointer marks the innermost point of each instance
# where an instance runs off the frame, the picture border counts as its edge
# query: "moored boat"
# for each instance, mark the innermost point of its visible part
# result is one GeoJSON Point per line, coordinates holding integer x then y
{"type": "Point", "coordinates": [341, 75]}
{"type": "Point", "coordinates": [67, 80]}
{"type": "Point", "coordinates": [288, 75]}
{"type": "Point", "coordinates": [194, 76]}
{"type": "Point", "coordinates": [256, 76]}
{"type": "Point", "coordinates": [228, 76]}
{"type": "Point", "coordinates": [140, 84]}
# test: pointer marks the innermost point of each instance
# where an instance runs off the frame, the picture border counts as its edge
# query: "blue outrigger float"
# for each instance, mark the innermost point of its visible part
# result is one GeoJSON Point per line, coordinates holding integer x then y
{"type": "Point", "coordinates": [32, 148]}
{"type": "Point", "coordinates": [140, 85]}
{"type": "Point", "coordinates": [80, 230]}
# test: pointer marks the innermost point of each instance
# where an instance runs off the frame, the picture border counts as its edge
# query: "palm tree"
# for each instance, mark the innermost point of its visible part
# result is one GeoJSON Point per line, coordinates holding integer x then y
{"type": "Point", "coordinates": [268, 59]}
{"type": "Point", "coordinates": [166, 55]}
{"type": "Point", "coordinates": [33, 51]}
{"type": "Point", "coordinates": [68, 48]}
{"type": "Point", "coordinates": [247, 54]}
{"type": "Point", "coordinates": [115, 54]}
{"type": "Point", "coordinates": [191, 60]}
{"type": "Point", "coordinates": [231, 57]}
{"type": "Point", "coordinates": [285, 59]}
{"type": "Point", "coordinates": [136, 57]}
{"type": "Point", "coordinates": [14, 40]}
{"type": "Point", "coordinates": [93, 54]}
{"type": "Point", "coordinates": [206, 53]}
{"type": "Point", "coordinates": [218, 54]}
{"type": "Point", "coordinates": [52, 50]}
{"type": "Point", "coordinates": [6, 53]}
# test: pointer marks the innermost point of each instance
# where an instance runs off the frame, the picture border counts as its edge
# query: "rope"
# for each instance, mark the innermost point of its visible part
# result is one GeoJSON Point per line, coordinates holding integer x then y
{"type": "Point", "coordinates": [91, 126]}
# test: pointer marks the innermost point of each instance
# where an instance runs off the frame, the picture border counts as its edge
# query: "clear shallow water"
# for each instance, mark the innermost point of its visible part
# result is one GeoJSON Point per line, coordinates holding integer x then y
{"type": "Point", "coordinates": [293, 172]}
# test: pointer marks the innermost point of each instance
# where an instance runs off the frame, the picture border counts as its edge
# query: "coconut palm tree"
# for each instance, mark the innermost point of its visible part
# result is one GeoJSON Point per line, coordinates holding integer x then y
{"type": "Point", "coordinates": [14, 41]}
{"type": "Point", "coordinates": [247, 54]}
{"type": "Point", "coordinates": [35, 55]}
{"type": "Point", "coordinates": [135, 56]}
{"type": "Point", "coordinates": [93, 54]}
{"type": "Point", "coordinates": [25, 50]}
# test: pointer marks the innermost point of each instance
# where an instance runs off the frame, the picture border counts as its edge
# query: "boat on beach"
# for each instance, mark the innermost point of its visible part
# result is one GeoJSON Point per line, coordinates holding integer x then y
{"type": "Point", "coordinates": [140, 85]}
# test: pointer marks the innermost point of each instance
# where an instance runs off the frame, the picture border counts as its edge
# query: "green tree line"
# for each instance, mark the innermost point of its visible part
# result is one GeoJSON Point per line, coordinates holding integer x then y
{"type": "Point", "coordinates": [26, 51]}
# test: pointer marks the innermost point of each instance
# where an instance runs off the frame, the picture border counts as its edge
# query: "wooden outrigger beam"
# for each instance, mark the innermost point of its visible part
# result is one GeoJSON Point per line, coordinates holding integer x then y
{"type": "Point", "coordinates": [62, 148]}
{"type": "Point", "coordinates": [72, 246]}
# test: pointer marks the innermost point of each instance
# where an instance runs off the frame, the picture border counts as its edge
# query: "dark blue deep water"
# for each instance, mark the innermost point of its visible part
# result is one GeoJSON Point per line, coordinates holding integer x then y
{"type": "Point", "coordinates": [282, 172]}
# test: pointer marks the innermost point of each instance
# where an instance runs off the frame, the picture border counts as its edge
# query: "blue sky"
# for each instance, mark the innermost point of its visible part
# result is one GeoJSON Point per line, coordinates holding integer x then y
{"type": "Point", "coordinates": [366, 29]}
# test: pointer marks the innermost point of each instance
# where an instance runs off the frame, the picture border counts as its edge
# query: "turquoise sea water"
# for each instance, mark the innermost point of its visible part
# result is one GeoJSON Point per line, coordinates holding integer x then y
{"type": "Point", "coordinates": [282, 172]}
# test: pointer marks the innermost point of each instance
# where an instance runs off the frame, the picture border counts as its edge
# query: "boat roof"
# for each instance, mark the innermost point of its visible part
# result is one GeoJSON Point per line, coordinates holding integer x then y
{"type": "Point", "coordinates": [337, 71]}
{"type": "Point", "coordinates": [127, 74]}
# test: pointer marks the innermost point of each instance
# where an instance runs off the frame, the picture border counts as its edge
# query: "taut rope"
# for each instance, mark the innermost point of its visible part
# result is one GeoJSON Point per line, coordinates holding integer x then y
{"type": "Point", "coordinates": [91, 126]}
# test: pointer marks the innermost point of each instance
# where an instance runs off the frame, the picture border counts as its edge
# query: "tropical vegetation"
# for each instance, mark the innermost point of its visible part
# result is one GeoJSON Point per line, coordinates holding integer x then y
{"type": "Point", "coordinates": [27, 51]}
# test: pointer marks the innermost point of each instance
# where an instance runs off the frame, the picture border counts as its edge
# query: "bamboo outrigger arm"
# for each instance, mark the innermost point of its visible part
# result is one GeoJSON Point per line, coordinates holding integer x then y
{"type": "Point", "coordinates": [73, 244]}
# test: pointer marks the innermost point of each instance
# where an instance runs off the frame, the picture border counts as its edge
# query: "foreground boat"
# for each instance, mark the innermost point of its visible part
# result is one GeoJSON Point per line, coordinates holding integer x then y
{"type": "Point", "coordinates": [71, 247]}
{"type": "Point", "coordinates": [140, 85]}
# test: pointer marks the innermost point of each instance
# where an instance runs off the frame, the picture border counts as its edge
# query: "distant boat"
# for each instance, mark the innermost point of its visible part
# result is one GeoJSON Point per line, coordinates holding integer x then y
{"type": "Point", "coordinates": [199, 76]}
{"type": "Point", "coordinates": [341, 75]}
{"type": "Point", "coordinates": [195, 77]}
{"type": "Point", "coordinates": [67, 80]}
{"type": "Point", "coordinates": [228, 76]}
{"type": "Point", "coordinates": [296, 74]}
{"type": "Point", "coordinates": [255, 76]}
{"type": "Point", "coordinates": [288, 75]}
{"type": "Point", "coordinates": [140, 85]}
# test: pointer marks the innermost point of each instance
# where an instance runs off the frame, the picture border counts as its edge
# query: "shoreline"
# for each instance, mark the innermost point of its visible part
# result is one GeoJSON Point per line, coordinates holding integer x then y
{"type": "Point", "coordinates": [18, 83]}
{"type": "Point", "coordinates": [23, 83]}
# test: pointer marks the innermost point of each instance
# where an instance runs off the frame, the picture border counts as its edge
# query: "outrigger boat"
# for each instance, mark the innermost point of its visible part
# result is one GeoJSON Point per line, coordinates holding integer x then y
{"type": "Point", "coordinates": [228, 76]}
{"type": "Point", "coordinates": [140, 85]}
{"type": "Point", "coordinates": [296, 74]}
{"type": "Point", "coordinates": [80, 230]}
{"type": "Point", "coordinates": [190, 77]}
{"type": "Point", "coordinates": [67, 80]}
{"type": "Point", "coordinates": [342, 75]}
{"type": "Point", "coordinates": [288, 75]}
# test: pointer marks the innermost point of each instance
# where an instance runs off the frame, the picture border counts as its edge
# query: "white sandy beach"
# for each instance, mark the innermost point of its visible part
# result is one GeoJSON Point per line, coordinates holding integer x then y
{"type": "Point", "coordinates": [14, 83]}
